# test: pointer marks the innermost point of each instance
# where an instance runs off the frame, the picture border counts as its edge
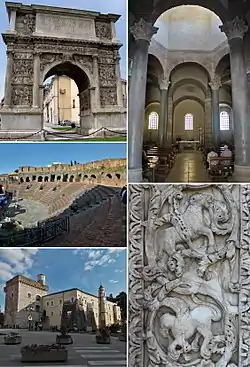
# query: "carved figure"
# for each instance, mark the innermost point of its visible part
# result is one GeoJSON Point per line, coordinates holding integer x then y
{"type": "Point", "coordinates": [192, 224]}
{"type": "Point", "coordinates": [187, 324]}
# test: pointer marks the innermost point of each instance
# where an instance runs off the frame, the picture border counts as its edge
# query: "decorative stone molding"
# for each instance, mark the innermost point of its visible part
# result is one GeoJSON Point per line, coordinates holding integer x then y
{"type": "Point", "coordinates": [164, 84]}
{"type": "Point", "coordinates": [143, 30]}
{"type": "Point", "coordinates": [185, 278]}
{"type": "Point", "coordinates": [235, 28]}
{"type": "Point", "coordinates": [215, 84]}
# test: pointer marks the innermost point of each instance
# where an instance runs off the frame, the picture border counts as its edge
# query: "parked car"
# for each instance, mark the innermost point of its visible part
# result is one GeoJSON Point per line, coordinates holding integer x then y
{"type": "Point", "coordinates": [65, 123]}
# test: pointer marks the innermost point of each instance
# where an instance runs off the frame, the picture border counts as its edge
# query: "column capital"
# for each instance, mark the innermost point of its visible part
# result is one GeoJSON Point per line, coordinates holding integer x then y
{"type": "Point", "coordinates": [215, 83]}
{"type": "Point", "coordinates": [164, 84]}
{"type": "Point", "coordinates": [143, 30]}
{"type": "Point", "coordinates": [235, 28]}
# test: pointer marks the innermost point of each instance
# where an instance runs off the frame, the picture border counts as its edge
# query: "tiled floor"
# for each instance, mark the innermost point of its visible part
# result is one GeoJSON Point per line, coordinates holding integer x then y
{"type": "Point", "coordinates": [188, 167]}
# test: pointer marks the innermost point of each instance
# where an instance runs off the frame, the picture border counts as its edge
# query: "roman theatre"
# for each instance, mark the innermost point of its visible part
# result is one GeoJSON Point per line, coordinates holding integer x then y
{"type": "Point", "coordinates": [189, 85]}
{"type": "Point", "coordinates": [62, 204]}
{"type": "Point", "coordinates": [43, 41]}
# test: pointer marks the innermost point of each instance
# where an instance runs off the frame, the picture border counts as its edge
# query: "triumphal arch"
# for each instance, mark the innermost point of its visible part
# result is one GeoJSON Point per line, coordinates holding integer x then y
{"type": "Point", "coordinates": [43, 41]}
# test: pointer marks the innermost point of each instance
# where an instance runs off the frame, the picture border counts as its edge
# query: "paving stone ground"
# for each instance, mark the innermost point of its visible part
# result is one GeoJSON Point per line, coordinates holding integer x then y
{"type": "Point", "coordinates": [83, 352]}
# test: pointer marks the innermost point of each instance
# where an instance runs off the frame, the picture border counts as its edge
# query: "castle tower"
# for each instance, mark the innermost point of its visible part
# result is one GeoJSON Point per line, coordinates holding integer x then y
{"type": "Point", "coordinates": [41, 279]}
{"type": "Point", "coordinates": [102, 307]}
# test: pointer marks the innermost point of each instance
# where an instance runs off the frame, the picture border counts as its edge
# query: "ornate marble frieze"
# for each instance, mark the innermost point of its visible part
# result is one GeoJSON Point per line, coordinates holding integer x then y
{"type": "Point", "coordinates": [103, 30]}
{"type": "Point", "coordinates": [22, 95]}
{"type": "Point", "coordinates": [108, 96]}
{"type": "Point", "coordinates": [189, 276]}
{"type": "Point", "coordinates": [22, 72]}
{"type": "Point", "coordinates": [107, 76]}
{"type": "Point", "coordinates": [25, 23]}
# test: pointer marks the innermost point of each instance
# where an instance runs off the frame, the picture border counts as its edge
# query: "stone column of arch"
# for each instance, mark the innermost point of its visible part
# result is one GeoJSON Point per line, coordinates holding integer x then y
{"type": "Point", "coordinates": [97, 84]}
{"type": "Point", "coordinates": [168, 140]}
{"type": "Point", "coordinates": [36, 79]}
{"type": "Point", "coordinates": [235, 31]}
{"type": "Point", "coordinates": [208, 119]}
{"type": "Point", "coordinates": [12, 25]}
{"type": "Point", "coordinates": [163, 121]}
{"type": "Point", "coordinates": [118, 80]}
{"type": "Point", "coordinates": [8, 77]}
{"type": "Point", "coordinates": [215, 85]}
{"type": "Point", "coordinates": [142, 31]}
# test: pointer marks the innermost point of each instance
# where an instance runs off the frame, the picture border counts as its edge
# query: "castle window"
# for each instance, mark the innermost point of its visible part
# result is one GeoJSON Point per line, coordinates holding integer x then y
{"type": "Point", "coordinates": [38, 298]}
{"type": "Point", "coordinates": [153, 121]}
{"type": "Point", "coordinates": [60, 301]}
{"type": "Point", "coordinates": [51, 313]}
{"type": "Point", "coordinates": [74, 103]}
{"type": "Point", "coordinates": [37, 308]}
{"type": "Point", "coordinates": [60, 313]}
{"type": "Point", "coordinates": [29, 295]}
{"type": "Point", "coordinates": [47, 303]}
{"type": "Point", "coordinates": [52, 303]}
{"type": "Point", "coordinates": [72, 299]}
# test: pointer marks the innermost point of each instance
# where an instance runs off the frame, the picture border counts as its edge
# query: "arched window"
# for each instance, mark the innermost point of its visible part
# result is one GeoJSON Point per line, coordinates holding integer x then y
{"type": "Point", "coordinates": [189, 121]}
{"type": "Point", "coordinates": [153, 121]}
{"type": "Point", "coordinates": [224, 121]}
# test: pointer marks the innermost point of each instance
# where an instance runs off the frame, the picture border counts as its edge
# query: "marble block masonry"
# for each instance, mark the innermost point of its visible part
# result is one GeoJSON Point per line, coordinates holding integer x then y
{"type": "Point", "coordinates": [43, 41]}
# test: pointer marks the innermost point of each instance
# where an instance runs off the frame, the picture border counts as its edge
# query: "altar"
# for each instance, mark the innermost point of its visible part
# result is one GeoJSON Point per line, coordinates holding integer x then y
{"type": "Point", "coordinates": [189, 144]}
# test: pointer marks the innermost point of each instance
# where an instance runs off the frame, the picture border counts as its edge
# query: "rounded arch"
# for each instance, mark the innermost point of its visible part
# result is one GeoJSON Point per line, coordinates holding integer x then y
{"type": "Point", "coordinates": [109, 175]}
{"type": "Point", "coordinates": [184, 81]}
{"type": "Point", "coordinates": [21, 179]}
{"type": "Point", "coordinates": [46, 179]}
{"type": "Point", "coordinates": [193, 98]}
{"type": "Point", "coordinates": [152, 103]}
{"type": "Point", "coordinates": [188, 62]}
{"type": "Point", "coordinates": [71, 179]}
{"type": "Point", "coordinates": [222, 64]}
{"type": "Point", "coordinates": [93, 176]}
{"type": "Point", "coordinates": [27, 179]}
{"type": "Point", "coordinates": [154, 64]}
{"type": "Point", "coordinates": [215, 6]}
{"type": "Point", "coordinates": [40, 179]}
{"type": "Point", "coordinates": [74, 70]}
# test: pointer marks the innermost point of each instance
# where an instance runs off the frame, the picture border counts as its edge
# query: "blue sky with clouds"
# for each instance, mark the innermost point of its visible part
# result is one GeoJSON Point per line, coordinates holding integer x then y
{"type": "Point", "coordinates": [14, 155]}
{"type": "Point", "coordinates": [107, 6]}
{"type": "Point", "coordinates": [67, 268]}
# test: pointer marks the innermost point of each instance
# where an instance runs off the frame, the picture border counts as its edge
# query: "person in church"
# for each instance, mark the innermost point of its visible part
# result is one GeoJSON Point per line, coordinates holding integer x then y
{"type": "Point", "coordinates": [212, 154]}
{"type": "Point", "coordinates": [226, 152]}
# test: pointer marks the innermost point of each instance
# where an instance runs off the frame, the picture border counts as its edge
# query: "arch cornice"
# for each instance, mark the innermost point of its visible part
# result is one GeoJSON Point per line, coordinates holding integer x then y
{"type": "Point", "coordinates": [152, 103]}
{"type": "Point", "coordinates": [193, 98]}
{"type": "Point", "coordinates": [185, 81]}
{"type": "Point", "coordinates": [187, 58]}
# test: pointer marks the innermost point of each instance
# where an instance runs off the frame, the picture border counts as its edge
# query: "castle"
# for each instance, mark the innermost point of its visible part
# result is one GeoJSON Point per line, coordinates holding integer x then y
{"type": "Point", "coordinates": [27, 300]}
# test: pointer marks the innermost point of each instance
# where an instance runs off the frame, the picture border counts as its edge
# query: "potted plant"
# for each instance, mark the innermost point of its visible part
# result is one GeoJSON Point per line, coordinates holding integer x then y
{"type": "Point", "coordinates": [103, 336]}
{"type": "Point", "coordinates": [13, 338]}
{"type": "Point", "coordinates": [44, 353]}
{"type": "Point", "coordinates": [64, 337]}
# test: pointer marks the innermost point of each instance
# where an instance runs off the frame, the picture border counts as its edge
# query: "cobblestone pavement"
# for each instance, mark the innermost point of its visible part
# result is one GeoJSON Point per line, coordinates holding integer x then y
{"type": "Point", "coordinates": [83, 352]}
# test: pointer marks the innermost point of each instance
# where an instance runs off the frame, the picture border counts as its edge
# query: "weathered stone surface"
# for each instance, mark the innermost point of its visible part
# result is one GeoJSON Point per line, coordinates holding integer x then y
{"type": "Point", "coordinates": [189, 287]}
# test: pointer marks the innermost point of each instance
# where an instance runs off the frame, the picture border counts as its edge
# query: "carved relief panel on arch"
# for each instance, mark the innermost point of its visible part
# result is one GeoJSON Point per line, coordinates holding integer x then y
{"type": "Point", "coordinates": [185, 275]}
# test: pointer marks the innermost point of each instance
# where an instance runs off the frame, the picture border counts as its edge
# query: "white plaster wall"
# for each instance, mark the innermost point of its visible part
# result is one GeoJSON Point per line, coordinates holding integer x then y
{"type": "Point", "coordinates": [187, 106]}
{"type": "Point", "coordinates": [188, 90]}
{"type": "Point", "coordinates": [189, 27]}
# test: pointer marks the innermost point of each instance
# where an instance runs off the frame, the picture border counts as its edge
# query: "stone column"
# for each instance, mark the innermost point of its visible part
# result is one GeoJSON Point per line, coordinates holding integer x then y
{"type": "Point", "coordinates": [12, 24]}
{"type": "Point", "coordinates": [215, 85]}
{"type": "Point", "coordinates": [96, 79]}
{"type": "Point", "coordinates": [235, 31]}
{"type": "Point", "coordinates": [36, 81]}
{"type": "Point", "coordinates": [142, 32]}
{"type": "Point", "coordinates": [208, 119]}
{"type": "Point", "coordinates": [113, 32]}
{"type": "Point", "coordinates": [8, 78]}
{"type": "Point", "coordinates": [118, 80]}
{"type": "Point", "coordinates": [164, 112]}
{"type": "Point", "coordinates": [169, 126]}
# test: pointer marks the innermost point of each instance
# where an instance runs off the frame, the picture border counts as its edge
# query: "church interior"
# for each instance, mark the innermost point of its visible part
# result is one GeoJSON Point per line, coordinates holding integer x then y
{"type": "Point", "coordinates": [189, 91]}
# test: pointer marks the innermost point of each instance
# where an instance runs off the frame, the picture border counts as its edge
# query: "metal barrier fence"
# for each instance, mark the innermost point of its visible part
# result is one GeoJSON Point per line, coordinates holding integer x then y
{"type": "Point", "coordinates": [37, 236]}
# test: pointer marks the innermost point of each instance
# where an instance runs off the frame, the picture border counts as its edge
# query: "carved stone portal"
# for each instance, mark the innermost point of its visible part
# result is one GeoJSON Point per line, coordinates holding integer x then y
{"type": "Point", "coordinates": [189, 276]}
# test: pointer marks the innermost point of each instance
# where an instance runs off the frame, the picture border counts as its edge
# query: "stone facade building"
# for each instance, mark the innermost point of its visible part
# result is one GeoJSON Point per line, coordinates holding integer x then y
{"type": "Point", "coordinates": [107, 171]}
{"type": "Point", "coordinates": [26, 298]}
{"type": "Point", "coordinates": [43, 41]}
{"type": "Point", "coordinates": [188, 69]}
{"type": "Point", "coordinates": [61, 101]}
